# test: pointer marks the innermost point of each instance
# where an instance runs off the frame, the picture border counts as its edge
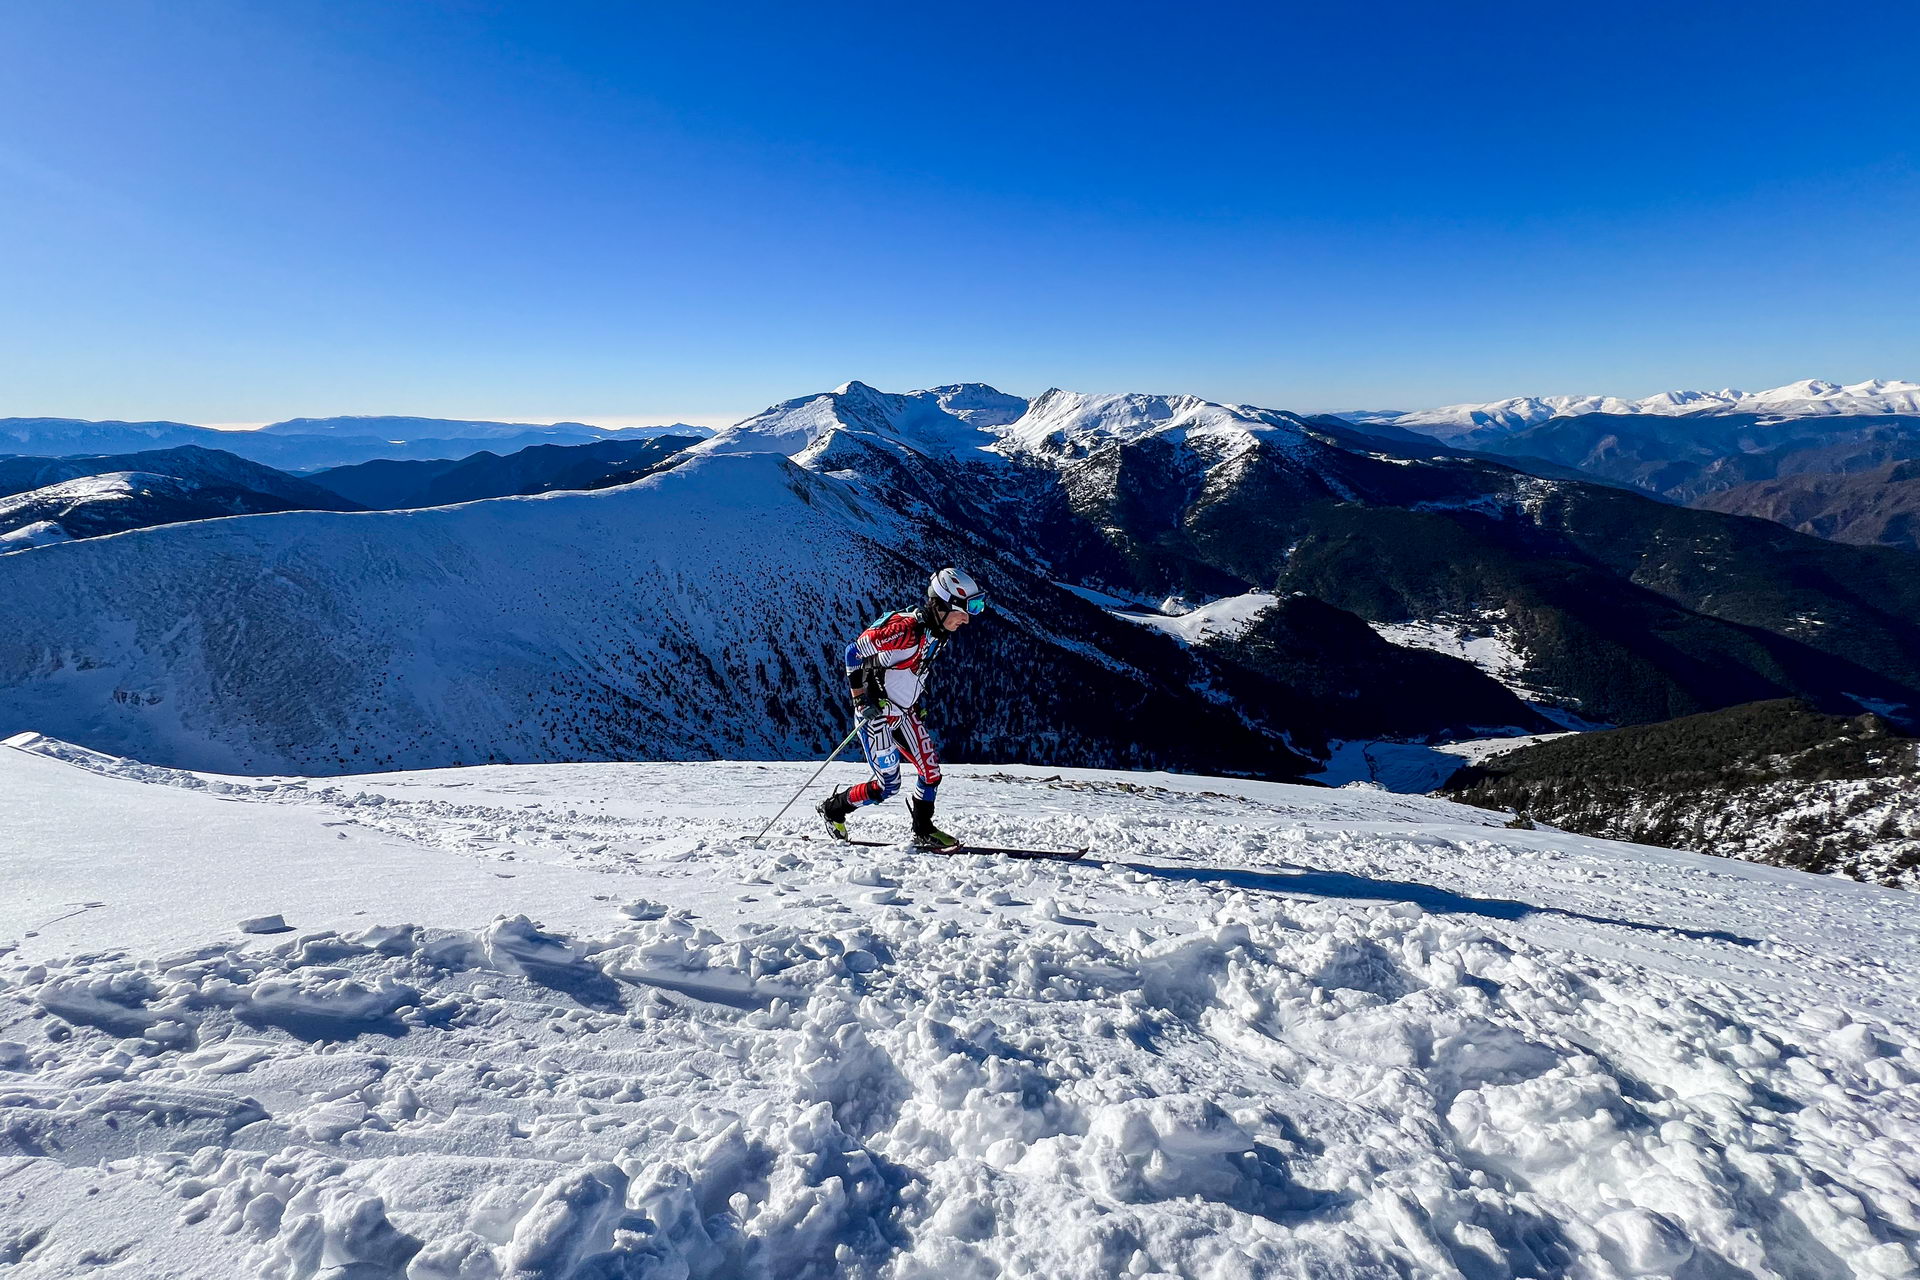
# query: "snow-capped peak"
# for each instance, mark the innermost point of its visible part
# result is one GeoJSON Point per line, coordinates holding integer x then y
{"type": "Point", "coordinates": [1073, 423]}
{"type": "Point", "coordinates": [1805, 389]}
{"type": "Point", "coordinates": [940, 420]}
{"type": "Point", "coordinates": [977, 404]}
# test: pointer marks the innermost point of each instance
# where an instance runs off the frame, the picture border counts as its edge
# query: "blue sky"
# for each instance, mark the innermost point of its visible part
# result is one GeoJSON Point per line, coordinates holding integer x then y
{"type": "Point", "coordinates": [236, 212]}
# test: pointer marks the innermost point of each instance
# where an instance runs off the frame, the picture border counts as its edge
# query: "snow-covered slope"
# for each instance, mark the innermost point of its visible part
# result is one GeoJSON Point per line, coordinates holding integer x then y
{"type": "Point", "coordinates": [108, 487]}
{"type": "Point", "coordinates": [575, 623]}
{"type": "Point", "coordinates": [90, 506]}
{"type": "Point", "coordinates": [1057, 426]}
{"type": "Point", "coordinates": [1216, 618]}
{"type": "Point", "coordinates": [1488, 640]}
{"type": "Point", "coordinates": [565, 1022]}
{"type": "Point", "coordinates": [1796, 399]}
{"type": "Point", "coordinates": [977, 404]}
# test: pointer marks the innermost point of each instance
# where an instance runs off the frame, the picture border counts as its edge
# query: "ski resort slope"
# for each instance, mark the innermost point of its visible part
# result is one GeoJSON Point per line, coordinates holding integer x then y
{"type": "Point", "coordinates": [568, 1021]}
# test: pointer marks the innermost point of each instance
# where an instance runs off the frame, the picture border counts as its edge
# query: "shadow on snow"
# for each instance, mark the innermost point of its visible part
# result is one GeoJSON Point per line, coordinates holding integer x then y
{"type": "Point", "coordinates": [1339, 884]}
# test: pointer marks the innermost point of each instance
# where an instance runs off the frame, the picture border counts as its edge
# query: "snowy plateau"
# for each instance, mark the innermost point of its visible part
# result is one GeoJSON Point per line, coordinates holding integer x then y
{"type": "Point", "coordinates": [572, 1021]}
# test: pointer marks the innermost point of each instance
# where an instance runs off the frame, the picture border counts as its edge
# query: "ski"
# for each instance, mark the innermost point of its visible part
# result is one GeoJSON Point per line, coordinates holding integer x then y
{"type": "Point", "coordinates": [981, 850]}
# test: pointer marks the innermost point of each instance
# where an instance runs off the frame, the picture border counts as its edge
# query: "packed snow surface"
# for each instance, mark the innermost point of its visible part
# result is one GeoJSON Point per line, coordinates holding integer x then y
{"type": "Point", "coordinates": [568, 1021]}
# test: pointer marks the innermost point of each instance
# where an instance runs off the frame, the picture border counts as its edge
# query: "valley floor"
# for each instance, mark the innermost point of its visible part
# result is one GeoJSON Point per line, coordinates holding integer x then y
{"type": "Point", "coordinates": [569, 1022]}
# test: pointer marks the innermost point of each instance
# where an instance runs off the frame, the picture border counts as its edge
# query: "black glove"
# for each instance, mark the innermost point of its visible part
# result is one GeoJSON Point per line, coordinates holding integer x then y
{"type": "Point", "coordinates": [869, 686]}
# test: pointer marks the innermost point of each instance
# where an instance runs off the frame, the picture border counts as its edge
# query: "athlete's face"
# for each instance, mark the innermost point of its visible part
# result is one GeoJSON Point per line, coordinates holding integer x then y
{"type": "Point", "coordinates": [955, 619]}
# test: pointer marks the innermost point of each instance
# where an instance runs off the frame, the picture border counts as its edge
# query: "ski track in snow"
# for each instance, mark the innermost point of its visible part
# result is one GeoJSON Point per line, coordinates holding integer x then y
{"type": "Point", "coordinates": [1262, 1031]}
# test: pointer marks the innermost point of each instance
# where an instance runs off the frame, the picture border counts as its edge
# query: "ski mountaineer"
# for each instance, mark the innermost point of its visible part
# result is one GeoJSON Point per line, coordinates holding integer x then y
{"type": "Point", "coordinates": [887, 667]}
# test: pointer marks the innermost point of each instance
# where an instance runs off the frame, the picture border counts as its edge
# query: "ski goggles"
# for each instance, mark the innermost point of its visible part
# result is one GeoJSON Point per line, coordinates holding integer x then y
{"type": "Point", "coordinates": [974, 605]}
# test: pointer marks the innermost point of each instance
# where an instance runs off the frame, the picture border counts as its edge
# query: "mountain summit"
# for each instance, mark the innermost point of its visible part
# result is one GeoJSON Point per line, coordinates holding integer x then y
{"type": "Point", "coordinates": [921, 419]}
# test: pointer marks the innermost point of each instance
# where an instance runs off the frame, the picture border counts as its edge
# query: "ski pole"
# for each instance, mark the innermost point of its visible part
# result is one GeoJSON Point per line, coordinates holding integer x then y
{"type": "Point", "coordinates": [808, 783]}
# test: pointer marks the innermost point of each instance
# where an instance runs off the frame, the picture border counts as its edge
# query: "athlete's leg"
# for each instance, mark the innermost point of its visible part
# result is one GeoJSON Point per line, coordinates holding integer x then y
{"type": "Point", "coordinates": [883, 755]}
{"type": "Point", "coordinates": [918, 744]}
{"type": "Point", "coordinates": [910, 732]}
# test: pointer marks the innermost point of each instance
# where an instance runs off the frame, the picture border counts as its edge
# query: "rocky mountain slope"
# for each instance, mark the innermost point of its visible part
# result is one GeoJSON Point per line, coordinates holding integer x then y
{"type": "Point", "coordinates": [1876, 508]}
{"type": "Point", "coordinates": [1625, 609]}
{"type": "Point", "coordinates": [1684, 460]}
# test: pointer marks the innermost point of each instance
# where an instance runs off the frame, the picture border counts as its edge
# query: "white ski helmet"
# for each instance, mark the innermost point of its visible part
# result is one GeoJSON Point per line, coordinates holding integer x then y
{"type": "Point", "coordinates": [952, 589]}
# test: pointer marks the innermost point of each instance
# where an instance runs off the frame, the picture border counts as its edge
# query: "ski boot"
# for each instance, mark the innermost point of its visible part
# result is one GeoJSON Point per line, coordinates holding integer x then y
{"type": "Point", "coordinates": [833, 811]}
{"type": "Point", "coordinates": [926, 836]}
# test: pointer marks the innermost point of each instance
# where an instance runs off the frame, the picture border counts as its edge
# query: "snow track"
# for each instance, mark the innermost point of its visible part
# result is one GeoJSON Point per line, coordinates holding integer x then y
{"type": "Point", "coordinates": [1269, 1031]}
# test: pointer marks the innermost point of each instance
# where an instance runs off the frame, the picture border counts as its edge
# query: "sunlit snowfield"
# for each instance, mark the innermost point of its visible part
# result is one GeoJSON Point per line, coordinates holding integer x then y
{"type": "Point", "coordinates": [567, 1021]}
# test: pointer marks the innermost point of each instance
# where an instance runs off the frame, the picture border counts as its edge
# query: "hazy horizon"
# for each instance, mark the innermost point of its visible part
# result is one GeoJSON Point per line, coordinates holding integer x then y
{"type": "Point", "coordinates": [717, 421]}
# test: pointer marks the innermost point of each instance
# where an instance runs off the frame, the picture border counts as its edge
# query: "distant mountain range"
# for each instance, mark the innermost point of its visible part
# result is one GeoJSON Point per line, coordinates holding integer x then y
{"type": "Point", "coordinates": [305, 444]}
{"type": "Point", "coordinates": [1471, 425]}
{"type": "Point", "coordinates": [1818, 457]}
{"type": "Point", "coordinates": [698, 612]}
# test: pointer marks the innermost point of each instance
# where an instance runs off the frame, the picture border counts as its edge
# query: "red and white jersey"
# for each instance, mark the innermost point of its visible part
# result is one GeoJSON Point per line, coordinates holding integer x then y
{"type": "Point", "coordinates": [898, 643]}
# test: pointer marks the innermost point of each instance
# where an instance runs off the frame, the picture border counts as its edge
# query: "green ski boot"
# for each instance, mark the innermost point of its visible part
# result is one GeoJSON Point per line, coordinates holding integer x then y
{"type": "Point", "coordinates": [833, 811]}
{"type": "Point", "coordinates": [925, 834]}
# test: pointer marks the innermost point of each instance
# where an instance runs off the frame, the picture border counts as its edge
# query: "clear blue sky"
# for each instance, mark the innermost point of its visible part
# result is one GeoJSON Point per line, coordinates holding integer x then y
{"type": "Point", "coordinates": [224, 212]}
